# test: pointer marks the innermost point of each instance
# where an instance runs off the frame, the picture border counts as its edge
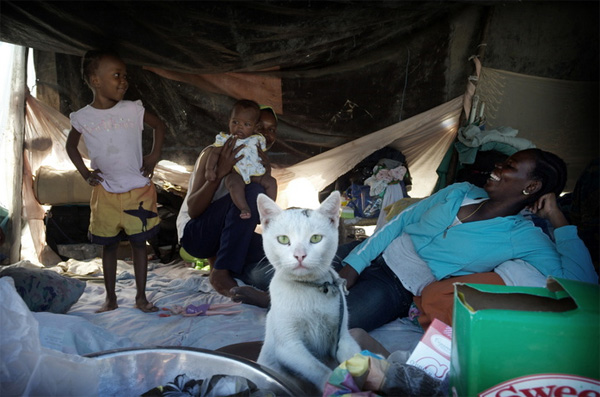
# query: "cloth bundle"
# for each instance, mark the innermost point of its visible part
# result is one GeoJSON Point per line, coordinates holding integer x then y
{"type": "Point", "coordinates": [382, 177]}
{"type": "Point", "coordinates": [368, 375]}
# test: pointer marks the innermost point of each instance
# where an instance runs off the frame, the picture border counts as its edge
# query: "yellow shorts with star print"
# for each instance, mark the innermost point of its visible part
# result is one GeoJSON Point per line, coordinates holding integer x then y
{"type": "Point", "coordinates": [131, 215]}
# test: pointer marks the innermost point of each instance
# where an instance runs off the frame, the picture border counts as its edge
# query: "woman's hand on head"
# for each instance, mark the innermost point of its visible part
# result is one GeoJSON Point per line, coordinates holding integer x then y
{"type": "Point", "coordinates": [348, 273]}
{"type": "Point", "coordinates": [547, 207]}
{"type": "Point", "coordinates": [228, 157]}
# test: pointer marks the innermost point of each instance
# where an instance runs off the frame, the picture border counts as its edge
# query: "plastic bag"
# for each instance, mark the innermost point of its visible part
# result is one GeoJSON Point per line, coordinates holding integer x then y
{"type": "Point", "coordinates": [27, 368]}
{"type": "Point", "coordinates": [361, 375]}
{"type": "Point", "coordinates": [368, 374]}
{"type": "Point", "coordinates": [392, 194]}
{"type": "Point", "coordinates": [406, 380]}
{"type": "Point", "coordinates": [364, 205]}
{"type": "Point", "coordinates": [214, 386]}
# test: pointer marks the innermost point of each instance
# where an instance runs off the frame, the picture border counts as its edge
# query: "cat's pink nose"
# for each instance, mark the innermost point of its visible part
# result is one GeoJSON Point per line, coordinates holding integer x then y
{"type": "Point", "coordinates": [299, 255]}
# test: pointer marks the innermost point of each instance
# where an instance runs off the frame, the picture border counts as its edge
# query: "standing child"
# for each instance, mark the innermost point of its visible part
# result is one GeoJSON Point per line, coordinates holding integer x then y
{"type": "Point", "coordinates": [245, 125]}
{"type": "Point", "coordinates": [123, 202]}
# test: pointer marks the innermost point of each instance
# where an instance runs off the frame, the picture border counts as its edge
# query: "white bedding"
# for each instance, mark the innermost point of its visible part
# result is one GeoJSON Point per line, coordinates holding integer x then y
{"type": "Point", "coordinates": [83, 331]}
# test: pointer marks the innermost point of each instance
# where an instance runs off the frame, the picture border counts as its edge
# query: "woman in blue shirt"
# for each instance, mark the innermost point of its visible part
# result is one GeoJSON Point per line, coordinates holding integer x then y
{"type": "Point", "coordinates": [462, 230]}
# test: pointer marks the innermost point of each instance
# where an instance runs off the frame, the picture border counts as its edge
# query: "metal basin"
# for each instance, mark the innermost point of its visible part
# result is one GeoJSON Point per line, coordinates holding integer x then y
{"type": "Point", "coordinates": [129, 372]}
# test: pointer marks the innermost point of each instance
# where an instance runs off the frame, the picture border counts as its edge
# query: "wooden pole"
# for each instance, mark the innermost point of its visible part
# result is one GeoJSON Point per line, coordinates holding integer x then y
{"type": "Point", "coordinates": [12, 140]}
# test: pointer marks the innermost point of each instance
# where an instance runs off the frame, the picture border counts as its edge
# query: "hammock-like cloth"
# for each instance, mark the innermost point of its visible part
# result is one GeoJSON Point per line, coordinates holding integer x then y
{"type": "Point", "coordinates": [423, 139]}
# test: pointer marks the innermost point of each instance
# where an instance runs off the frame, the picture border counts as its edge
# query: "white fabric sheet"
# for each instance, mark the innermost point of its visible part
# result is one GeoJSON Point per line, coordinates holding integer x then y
{"type": "Point", "coordinates": [83, 331]}
{"type": "Point", "coordinates": [167, 286]}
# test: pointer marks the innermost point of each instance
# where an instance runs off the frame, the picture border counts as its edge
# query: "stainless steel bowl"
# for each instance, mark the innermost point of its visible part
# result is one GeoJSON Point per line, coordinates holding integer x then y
{"type": "Point", "coordinates": [129, 372]}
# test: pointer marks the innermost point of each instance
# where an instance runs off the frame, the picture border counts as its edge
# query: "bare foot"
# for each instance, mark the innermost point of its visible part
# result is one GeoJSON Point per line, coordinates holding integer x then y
{"type": "Point", "coordinates": [245, 214]}
{"type": "Point", "coordinates": [145, 306]}
{"type": "Point", "coordinates": [250, 295]}
{"type": "Point", "coordinates": [221, 281]}
{"type": "Point", "coordinates": [109, 304]}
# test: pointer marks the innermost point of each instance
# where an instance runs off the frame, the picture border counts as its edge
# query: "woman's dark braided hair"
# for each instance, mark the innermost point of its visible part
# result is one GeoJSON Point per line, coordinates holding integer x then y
{"type": "Point", "coordinates": [91, 60]}
{"type": "Point", "coordinates": [549, 169]}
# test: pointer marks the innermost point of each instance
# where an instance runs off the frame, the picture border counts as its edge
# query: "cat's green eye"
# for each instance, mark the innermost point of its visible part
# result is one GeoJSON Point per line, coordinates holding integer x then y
{"type": "Point", "coordinates": [316, 238]}
{"type": "Point", "coordinates": [283, 239]}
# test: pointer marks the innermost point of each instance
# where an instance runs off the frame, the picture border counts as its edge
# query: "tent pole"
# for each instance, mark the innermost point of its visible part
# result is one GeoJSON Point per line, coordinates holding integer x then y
{"type": "Point", "coordinates": [481, 47]}
{"type": "Point", "coordinates": [13, 138]}
{"type": "Point", "coordinates": [489, 13]}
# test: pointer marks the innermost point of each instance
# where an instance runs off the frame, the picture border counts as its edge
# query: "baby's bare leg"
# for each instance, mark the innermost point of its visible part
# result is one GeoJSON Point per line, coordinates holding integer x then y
{"type": "Point", "coordinates": [270, 185]}
{"type": "Point", "coordinates": [237, 190]}
{"type": "Point", "coordinates": [267, 182]}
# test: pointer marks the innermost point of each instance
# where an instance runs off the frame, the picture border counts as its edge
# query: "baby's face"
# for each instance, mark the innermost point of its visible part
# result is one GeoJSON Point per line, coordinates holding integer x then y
{"type": "Point", "coordinates": [267, 126]}
{"type": "Point", "coordinates": [242, 122]}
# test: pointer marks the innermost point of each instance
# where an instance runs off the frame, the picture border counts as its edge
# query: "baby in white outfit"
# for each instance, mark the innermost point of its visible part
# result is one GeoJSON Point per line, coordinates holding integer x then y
{"type": "Point", "coordinates": [244, 123]}
{"type": "Point", "coordinates": [250, 165]}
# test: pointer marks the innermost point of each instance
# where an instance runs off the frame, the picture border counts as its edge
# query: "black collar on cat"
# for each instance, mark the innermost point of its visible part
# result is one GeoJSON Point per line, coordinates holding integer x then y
{"type": "Point", "coordinates": [323, 287]}
{"type": "Point", "coordinates": [333, 286]}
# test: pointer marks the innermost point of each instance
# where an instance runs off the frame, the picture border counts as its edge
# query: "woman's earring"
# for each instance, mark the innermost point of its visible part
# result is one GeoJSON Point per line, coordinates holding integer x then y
{"type": "Point", "coordinates": [525, 192]}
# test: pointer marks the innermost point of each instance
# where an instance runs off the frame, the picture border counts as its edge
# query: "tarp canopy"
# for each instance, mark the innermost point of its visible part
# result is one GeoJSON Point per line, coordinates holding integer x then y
{"type": "Point", "coordinates": [334, 70]}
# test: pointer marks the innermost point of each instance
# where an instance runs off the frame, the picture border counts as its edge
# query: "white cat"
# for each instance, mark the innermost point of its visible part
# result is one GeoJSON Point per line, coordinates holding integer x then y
{"type": "Point", "coordinates": [307, 324]}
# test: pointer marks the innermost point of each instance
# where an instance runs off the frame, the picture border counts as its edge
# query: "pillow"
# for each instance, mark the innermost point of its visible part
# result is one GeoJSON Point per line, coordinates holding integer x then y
{"type": "Point", "coordinates": [394, 209]}
{"type": "Point", "coordinates": [45, 290]}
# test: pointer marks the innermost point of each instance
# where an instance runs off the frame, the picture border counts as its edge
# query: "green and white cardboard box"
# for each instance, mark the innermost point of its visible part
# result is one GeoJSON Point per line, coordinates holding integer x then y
{"type": "Point", "coordinates": [526, 341]}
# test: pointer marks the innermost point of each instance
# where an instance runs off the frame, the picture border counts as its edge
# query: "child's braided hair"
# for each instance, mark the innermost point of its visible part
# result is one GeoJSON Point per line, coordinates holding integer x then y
{"type": "Point", "coordinates": [91, 60]}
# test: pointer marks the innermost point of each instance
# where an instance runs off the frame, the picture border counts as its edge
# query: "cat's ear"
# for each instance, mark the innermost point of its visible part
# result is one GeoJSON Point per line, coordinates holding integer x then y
{"type": "Point", "coordinates": [330, 207]}
{"type": "Point", "coordinates": [267, 209]}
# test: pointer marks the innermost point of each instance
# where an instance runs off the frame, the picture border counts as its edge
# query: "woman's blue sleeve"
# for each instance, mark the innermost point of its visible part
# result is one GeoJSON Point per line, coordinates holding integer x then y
{"type": "Point", "coordinates": [363, 254]}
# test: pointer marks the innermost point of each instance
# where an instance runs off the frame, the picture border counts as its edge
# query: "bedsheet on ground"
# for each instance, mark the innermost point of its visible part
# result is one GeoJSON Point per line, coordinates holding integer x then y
{"type": "Point", "coordinates": [83, 331]}
{"type": "Point", "coordinates": [168, 285]}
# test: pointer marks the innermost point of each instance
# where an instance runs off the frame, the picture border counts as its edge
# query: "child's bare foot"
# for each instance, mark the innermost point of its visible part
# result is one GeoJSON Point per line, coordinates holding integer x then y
{"type": "Point", "coordinates": [145, 306]}
{"type": "Point", "coordinates": [245, 213]}
{"type": "Point", "coordinates": [221, 281]}
{"type": "Point", "coordinates": [250, 295]}
{"type": "Point", "coordinates": [109, 304]}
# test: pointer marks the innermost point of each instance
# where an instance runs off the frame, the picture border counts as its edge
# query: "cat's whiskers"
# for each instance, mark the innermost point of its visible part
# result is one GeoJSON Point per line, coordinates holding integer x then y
{"type": "Point", "coordinates": [270, 270]}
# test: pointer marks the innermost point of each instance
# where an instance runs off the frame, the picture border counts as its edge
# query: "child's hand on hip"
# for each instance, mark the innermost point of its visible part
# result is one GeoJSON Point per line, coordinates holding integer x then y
{"type": "Point", "coordinates": [148, 165]}
{"type": "Point", "coordinates": [94, 178]}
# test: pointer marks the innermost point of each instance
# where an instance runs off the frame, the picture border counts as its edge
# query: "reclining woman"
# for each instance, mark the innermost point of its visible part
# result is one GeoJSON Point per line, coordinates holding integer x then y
{"type": "Point", "coordinates": [464, 230]}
